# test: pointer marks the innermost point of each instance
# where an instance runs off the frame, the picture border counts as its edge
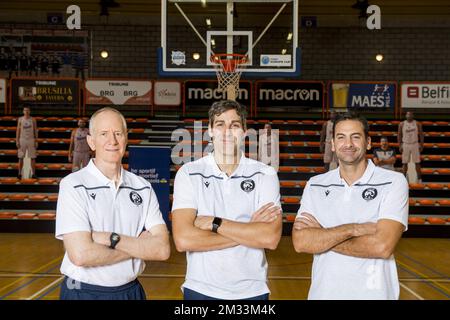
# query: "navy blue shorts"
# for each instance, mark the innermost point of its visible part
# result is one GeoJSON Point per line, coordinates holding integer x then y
{"type": "Point", "coordinates": [73, 290]}
{"type": "Point", "coordinates": [194, 295]}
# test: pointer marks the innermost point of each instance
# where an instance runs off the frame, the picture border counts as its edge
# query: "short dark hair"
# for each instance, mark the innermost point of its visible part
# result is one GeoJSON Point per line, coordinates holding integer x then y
{"type": "Point", "coordinates": [219, 107]}
{"type": "Point", "coordinates": [352, 116]}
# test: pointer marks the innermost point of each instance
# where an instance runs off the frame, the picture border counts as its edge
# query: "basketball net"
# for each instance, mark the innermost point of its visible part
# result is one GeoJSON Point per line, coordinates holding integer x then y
{"type": "Point", "coordinates": [228, 70]}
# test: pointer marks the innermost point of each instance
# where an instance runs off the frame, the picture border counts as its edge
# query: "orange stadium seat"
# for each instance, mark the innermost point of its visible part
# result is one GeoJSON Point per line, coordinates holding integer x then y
{"type": "Point", "coordinates": [319, 169]}
{"type": "Point", "coordinates": [307, 121]}
{"type": "Point", "coordinates": [299, 155]}
{"type": "Point", "coordinates": [26, 215]}
{"type": "Point", "coordinates": [61, 153]}
{"type": "Point", "coordinates": [417, 186]}
{"type": "Point", "coordinates": [434, 157]}
{"type": "Point", "coordinates": [52, 197]}
{"type": "Point", "coordinates": [295, 132]}
{"type": "Point", "coordinates": [443, 171]}
{"type": "Point", "coordinates": [136, 141]}
{"type": "Point", "coordinates": [17, 196]}
{"type": "Point", "coordinates": [8, 118]}
{"type": "Point", "coordinates": [310, 132]}
{"type": "Point", "coordinates": [55, 166]}
{"type": "Point", "coordinates": [285, 155]}
{"type": "Point", "coordinates": [9, 152]}
{"type": "Point", "coordinates": [444, 202]}
{"type": "Point", "coordinates": [290, 200]}
{"type": "Point", "coordinates": [443, 145]}
{"type": "Point", "coordinates": [426, 202]}
{"type": "Point", "coordinates": [250, 121]}
{"type": "Point", "coordinates": [442, 123]}
{"type": "Point", "coordinates": [435, 186]}
{"type": "Point", "coordinates": [8, 180]}
{"type": "Point", "coordinates": [3, 196]}
{"type": "Point", "coordinates": [7, 215]}
{"type": "Point", "coordinates": [53, 140]}
{"type": "Point", "coordinates": [428, 145]}
{"type": "Point", "coordinates": [313, 144]}
{"type": "Point", "coordinates": [412, 202]}
{"type": "Point", "coordinates": [278, 121]}
{"type": "Point", "coordinates": [446, 133]}
{"type": "Point", "coordinates": [416, 220]}
{"type": "Point", "coordinates": [302, 184]}
{"type": "Point", "coordinates": [6, 140]}
{"type": "Point", "coordinates": [141, 120]}
{"type": "Point", "coordinates": [45, 152]}
{"type": "Point", "coordinates": [304, 169]}
{"type": "Point", "coordinates": [427, 123]}
{"type": "Point", "coordinates": [427, 171]}
{"type": "Point", "coordinates": [47, 216]}
{"type": "Point", "coordinates": [292, 121]}
{"type": "Point", "coordinates": [433, 134]}
{"type": "Point", "coordinates": [131, 119]}
{"type": "Point", "coordinates": [290, 218]}
{"type": "Point", "coordinates": [37, 197]}
{"type": "Point", "coordinates": [40, 166]}
{"type": "Point", "coordinates": [67, 118]}
{"type": "Point", "coordinates": [298, 143]}
{"type": "Point", "coordinates": [436, 220]}
{"type": "Point", "coordinates": [28, 181]}
{"type": "Point", "coordinates": [288, 183]}
{"type": "Point", "coordinates": [284, 143]}
{"type": "Point", "coordinates": [46, 181]}
{"type": "Point", "coordinates": [316, 155]}
{"type": "Point", "coordinates": [283, 132]}
{"type": "Point", "coordinates": [137, 130]}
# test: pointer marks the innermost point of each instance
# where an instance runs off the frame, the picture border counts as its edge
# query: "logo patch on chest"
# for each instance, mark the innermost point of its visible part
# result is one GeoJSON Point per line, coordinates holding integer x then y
{"type": "Point", "coordinates": [135, 198]}
{"type": "Point", "coordinates": [248, 185]}
{"type": "Point", "coordinates": [369, 194]}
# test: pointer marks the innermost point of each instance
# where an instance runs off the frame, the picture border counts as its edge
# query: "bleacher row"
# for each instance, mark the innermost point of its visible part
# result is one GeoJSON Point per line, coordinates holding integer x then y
{"type": "Point", "coordinates": [300, 159]}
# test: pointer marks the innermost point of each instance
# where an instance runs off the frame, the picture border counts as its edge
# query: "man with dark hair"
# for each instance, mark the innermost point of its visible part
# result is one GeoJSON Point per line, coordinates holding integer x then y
{"type": "Point", "coordinates": [411, 138]}
{"type": "Point", "coordinates": [226, 211]}
{"type": "Point", "coordinates": [326, 135]}
{"type": "Point", "coordinates": [351, 219]}
{"type": "Point", "coordinates": [385, 155]}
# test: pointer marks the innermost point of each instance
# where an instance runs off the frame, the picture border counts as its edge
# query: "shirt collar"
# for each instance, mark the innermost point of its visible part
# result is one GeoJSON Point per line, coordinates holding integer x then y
{"type": "Point", "coordinates": [365, 177]}
{"type": "Point", "coordinates": [213, 164]}
{"type": "Point", "coordinates": [92, 168]}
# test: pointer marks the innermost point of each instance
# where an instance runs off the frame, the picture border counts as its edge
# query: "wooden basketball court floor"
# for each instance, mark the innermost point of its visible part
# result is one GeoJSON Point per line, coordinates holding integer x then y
{"type": "Point", "coordinates": [29, 269]}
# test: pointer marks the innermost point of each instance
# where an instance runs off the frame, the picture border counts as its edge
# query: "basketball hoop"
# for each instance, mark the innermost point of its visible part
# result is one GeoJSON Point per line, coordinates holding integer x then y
{"type": "Point", "coordinates": [228, 69]}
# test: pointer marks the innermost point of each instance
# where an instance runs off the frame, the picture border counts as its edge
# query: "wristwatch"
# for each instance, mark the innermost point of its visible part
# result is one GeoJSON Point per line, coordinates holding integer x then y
{"type": "Point", "coordinates": [216, 224]}
{"type": "Point", "coordinates": [114, 238]}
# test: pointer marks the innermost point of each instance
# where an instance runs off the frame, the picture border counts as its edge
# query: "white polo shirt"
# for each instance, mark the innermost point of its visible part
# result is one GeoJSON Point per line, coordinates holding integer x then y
{"type": "Point", "coordinates": [238, 272]}
{"type": "Point", "coordinates": [89, 201]}
{"type": "Point", "coordinates": [378, 194]}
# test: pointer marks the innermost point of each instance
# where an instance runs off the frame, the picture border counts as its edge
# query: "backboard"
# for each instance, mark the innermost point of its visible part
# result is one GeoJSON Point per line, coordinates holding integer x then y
{"type": "Point", "coordinates": [264, 30]}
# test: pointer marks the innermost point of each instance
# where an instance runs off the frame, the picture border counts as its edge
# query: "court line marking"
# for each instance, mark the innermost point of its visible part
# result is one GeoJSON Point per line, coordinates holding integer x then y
{"type": "Point", "coordinates": [45, 288]}
{"type": "Point", "coordinates": [422, 275]}
{"type": "Point", "coordinates": [431, 285]}
{"type": "Point", "coordinates": [32, 272]}
{"type": "Point", "coordinates": [423, 265]}
{"type": "Point", "coordinates": [415, 294]}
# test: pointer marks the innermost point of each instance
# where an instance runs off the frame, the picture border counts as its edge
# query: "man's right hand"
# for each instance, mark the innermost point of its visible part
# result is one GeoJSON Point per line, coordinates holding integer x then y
{"type": "Point", "coordinates": [18, 144]}
{"type": "Point", "coordinates": [362, 229]}
{"type": "Point", "coordinates": [401, 148]}
{"type": "Point", "coordinates": [70, 158]}
{"type": "Point", "coordinates": [267, 213]}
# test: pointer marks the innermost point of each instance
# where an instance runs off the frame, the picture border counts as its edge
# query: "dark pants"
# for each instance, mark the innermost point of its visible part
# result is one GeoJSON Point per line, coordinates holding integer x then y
{"type": "Point", "coordinates": [72, 290]}
{"type": "Point", "coordinates": [194, 295]}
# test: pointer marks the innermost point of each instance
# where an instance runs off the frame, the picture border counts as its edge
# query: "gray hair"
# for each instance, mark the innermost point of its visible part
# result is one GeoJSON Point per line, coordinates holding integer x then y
{"type": "Point", "coordinates": [105, 109]}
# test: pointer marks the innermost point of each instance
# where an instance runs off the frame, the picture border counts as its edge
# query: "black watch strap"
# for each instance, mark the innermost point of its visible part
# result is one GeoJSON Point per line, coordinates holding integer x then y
{"type": "Point", "coordinates": [114, 238]}
{"type": "Point", "coordinates": [216, 224]}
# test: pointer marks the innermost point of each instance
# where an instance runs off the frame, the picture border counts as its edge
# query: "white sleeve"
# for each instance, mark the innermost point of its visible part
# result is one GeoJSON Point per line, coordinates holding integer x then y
{"type": "Point", "coordinates": [270, 188]}
{"type": "Point", "coordinates": [395, 206]}
{"type": "Point", "coordinates": [306, 203]}
{"type": "Point", "coordinates": [71, 211]}
{"type": "Point", "coordinates": [153, 214]}
{"type": "Point", "coordinates": [183, 191]}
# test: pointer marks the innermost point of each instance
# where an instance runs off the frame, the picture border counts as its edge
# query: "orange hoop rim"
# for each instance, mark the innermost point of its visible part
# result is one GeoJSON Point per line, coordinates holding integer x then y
{"type": "Point", "coordinates": [229, 61]}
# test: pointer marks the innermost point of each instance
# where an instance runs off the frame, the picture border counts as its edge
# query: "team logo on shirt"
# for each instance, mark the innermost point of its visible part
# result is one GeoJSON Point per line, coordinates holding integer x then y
{"type": "Point", "coordinates": [135, 198]}
{"type": "Point", "coordinates": [327, 193]}
{"type": "Point", "coordinates": [248, 185]}
{"type": "Point", "coordinates": [207, 184]}
{"type": "Point", "coordinates": [369, 194]}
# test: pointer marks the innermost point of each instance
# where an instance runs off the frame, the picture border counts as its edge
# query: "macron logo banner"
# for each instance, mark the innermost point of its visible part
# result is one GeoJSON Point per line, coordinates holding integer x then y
{"type": "Point", "coordinates": [425, 95]}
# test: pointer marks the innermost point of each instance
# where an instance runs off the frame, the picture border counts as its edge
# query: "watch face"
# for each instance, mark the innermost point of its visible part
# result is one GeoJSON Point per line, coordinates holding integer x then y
{"type": "Point", "coordinates": [115, 237]}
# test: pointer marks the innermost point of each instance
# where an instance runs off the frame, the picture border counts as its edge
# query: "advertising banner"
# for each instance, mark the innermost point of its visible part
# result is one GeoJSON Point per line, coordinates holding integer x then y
{"type": "Point", "coordinates": [425, 95]}
{"type": "Point", "coordinates": [301, 94]}
{"type": "Point", "coordinates": [373, 95]}
{"type": "Point", "coordinates": [118, 92]}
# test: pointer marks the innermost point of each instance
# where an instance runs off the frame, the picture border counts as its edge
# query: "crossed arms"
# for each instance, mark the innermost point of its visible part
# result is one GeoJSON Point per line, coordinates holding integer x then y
{"type": "Point", "coordinates": [365, 240]}
{"type": "Point", "coordinates": [91, 249]}
{"type": "Point", "coordinates": [193, 233]}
